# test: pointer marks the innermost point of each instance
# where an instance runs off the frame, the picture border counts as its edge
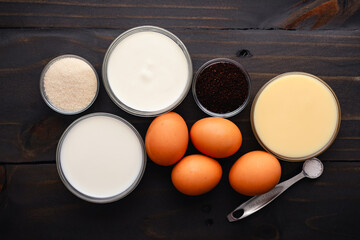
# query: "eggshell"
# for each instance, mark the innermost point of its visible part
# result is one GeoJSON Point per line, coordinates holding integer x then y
{"type": "Point", "coordinates": [167, 139]}
{"type": "Point", "coordinates": [255, 173]}
{"type": "Point", "coordinates": [196, 174]}
{"type": "Point", "coordinates": [216, 137]}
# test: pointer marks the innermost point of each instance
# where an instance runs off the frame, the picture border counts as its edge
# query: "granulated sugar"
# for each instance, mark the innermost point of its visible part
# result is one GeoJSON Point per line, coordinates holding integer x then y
{"type": "Point", "coordinates": [313, 168]}
{"type": "Point", "coordinates": [70, 84]}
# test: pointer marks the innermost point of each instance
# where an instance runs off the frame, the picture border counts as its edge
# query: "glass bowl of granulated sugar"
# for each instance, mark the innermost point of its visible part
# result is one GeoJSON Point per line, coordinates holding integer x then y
{"type": "Point", "coordinates": [69, 84]}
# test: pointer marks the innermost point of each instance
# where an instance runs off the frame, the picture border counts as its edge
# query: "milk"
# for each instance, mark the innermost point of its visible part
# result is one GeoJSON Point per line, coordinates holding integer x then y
{"type": "Point", "coordinates": [147, 71]}
{"type": "Point", "coordinates": [295, 115]}
{"type": "Point", "coordinates": [101, 156]}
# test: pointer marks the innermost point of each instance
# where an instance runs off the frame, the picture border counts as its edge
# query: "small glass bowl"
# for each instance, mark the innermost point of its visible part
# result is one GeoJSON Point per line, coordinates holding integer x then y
{"type": "Point", "coordinates": [295, 159]}
{"type": "Point", "coordinates": [91, 198]}
{"type": "Point", "coordinates": [113, 45]}
{"type": "Point", "coordinates": [228, 114]}
{"type": "Point", "coordinates": [45, 97]}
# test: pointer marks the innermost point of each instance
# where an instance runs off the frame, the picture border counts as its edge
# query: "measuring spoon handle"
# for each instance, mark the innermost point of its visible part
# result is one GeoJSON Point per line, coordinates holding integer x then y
{"type": "Point", "coordinates": [258, 202]}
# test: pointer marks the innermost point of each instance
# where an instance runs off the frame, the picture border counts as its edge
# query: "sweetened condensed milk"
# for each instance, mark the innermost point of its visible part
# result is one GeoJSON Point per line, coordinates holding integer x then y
{"type": "Point", "coordinates": [295, 116]}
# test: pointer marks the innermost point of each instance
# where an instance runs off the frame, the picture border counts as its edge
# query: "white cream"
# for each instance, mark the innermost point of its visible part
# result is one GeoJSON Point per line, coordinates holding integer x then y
{"type": "Point", "coordinates": [147, 71]}
{"type": "Point", "coordinates": [101, 156]}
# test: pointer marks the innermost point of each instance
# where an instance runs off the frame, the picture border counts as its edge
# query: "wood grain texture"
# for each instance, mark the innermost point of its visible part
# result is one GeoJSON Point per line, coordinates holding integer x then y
{"type": "Point", "coordinates": [29, 130]}
{"type": "Point", "coordinates": [322, 38]}
{"type": "Point", "coordinates": [37, 201]}
{"type": "Point", "coordinates": [323, 11]}
{"type": "Point", "coordinates": [184, 14]}
{"type": "Point", "coordinates": [2, 177]}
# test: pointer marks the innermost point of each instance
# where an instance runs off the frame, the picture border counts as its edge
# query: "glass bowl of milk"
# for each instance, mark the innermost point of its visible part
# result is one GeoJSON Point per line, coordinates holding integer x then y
{"type": "Point", "coordinates": [295, 116]}
{"type": "Point", "coordinates": [101, 158]}
{"type": "Point", "coordinates": [147, 71]}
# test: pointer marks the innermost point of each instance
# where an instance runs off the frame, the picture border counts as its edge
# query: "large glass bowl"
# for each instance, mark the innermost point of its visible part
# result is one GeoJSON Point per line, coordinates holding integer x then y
{"type": "Point", "coordinates": [111, 93]}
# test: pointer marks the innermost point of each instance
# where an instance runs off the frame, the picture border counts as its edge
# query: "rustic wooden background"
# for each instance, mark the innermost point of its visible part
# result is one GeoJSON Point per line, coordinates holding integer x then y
{"type": "Point", "coordinates": [268, 37]}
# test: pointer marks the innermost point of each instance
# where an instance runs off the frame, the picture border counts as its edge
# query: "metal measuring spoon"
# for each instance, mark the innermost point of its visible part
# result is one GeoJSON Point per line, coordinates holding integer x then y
{"type": "Point", "coordinates": [312, 168]}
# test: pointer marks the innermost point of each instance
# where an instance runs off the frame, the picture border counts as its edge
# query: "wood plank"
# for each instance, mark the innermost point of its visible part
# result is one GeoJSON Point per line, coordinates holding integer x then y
{"type": "Point", "coordinates": [36, 202]}
{"type": "Point", "coordinates": [291, 14]}
{"type": "Point", "coordinates": [2, 177]}
{"type": "Point", "coordinates": [29, 130]}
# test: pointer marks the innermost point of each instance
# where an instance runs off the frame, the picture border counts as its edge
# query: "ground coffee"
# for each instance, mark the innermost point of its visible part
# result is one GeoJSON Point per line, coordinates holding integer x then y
{"type": "Point", "coordinates": [222, 87]}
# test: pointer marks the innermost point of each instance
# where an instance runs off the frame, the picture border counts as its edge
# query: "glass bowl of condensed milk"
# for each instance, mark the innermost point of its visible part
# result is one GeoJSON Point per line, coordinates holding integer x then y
{"type": "Point", "coordinates": [147, 71]}
{"type": "Point", "coordinates": [295, 116]}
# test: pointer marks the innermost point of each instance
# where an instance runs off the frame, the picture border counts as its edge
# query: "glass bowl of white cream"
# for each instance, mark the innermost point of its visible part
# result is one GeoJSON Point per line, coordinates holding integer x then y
{"type": "Point", "coordinates": [101, 158]}
{"type": "Point", "coordinates": [147, 71]}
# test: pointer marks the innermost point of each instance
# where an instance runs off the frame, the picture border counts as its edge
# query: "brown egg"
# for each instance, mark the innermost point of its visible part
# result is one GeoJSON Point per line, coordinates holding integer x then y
{"type": "Point", "coordinates": [196, 174]}
{"type": "Point", "coordinates": [167, 139]}
{"type": "Point", "coordinates": [255, 173]}
{"type": "Point", "coordinates": [216, 137]}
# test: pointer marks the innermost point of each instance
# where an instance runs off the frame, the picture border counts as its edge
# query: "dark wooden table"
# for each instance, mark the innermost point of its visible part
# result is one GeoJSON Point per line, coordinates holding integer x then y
{"type": "Point", "coordinates": [268, 37]}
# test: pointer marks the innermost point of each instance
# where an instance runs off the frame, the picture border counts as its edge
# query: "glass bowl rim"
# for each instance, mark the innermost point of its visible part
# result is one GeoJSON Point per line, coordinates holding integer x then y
{"type": "Point", "coordinates": [42, 87]}
{"type": "Point", "coordinates": [92, 199]}
{"type": "Point", "coordinates": [122, 36]}
{"type": "Point", "coordinates": [228, 114]}
{"type": "Point", "coordinates": [303, 158]}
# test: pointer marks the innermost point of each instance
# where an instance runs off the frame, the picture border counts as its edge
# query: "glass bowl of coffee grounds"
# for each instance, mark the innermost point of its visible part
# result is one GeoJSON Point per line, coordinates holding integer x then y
{"type": "Point", "coordinates": [221, 87]}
